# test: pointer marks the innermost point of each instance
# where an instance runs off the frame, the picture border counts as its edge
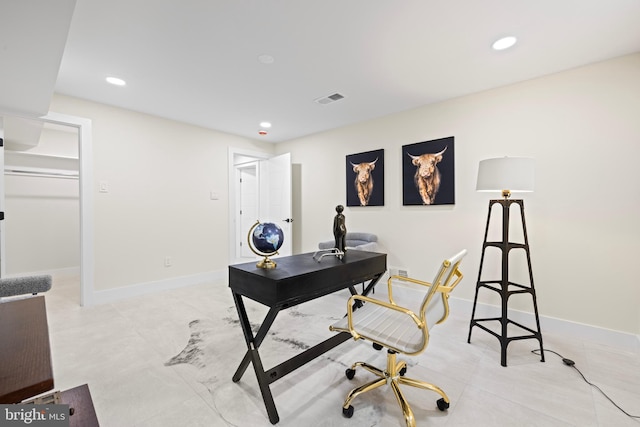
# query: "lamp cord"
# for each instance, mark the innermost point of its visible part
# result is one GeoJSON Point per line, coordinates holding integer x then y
{"type": "Point", "coordinates": [572, 364]}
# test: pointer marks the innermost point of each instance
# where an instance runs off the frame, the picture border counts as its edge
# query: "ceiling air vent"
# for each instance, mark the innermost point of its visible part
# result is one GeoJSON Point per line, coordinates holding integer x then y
{"type": "Point", "coordinates": [329, 99]}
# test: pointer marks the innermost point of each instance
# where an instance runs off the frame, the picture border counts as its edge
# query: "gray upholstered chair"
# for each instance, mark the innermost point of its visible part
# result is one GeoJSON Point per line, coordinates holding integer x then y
{"type": "Point", "coordinates": [12, 286]}
{"type": "Point", "coordinates": [401, 324]}
{"type": "Point", "coordinates": [355, 240]}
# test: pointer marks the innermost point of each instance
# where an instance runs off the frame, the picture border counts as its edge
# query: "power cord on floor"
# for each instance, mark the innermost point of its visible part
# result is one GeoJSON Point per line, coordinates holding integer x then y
{"type": "Point", "coordinates": [572, 364]}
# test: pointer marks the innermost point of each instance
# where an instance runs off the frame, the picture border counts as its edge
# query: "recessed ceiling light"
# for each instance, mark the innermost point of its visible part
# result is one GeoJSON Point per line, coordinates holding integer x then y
{"type": "Point", "coordinates": [504, 43]}
{"type": "Point", "coordinates": [265, 125]}
{"type": "Point", "coordinates": [116, 81]}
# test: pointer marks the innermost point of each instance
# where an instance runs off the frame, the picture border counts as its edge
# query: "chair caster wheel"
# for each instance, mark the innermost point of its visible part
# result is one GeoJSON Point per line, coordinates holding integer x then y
{"type": "Point", "coordinates": [442, 405]}
{"type": "Point", "coordinates": [403, 371]}
{"type": "Point", "coordinates": [350, 373]}
{"type": "Point", "coordinates": [348, 412]}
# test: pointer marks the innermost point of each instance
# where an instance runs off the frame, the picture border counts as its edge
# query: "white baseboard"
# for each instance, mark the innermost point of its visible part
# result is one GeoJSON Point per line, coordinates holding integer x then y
{"type": "Point", "coordinates": [554, 325]}
{"type": "Point", "coordinates": [62, 272]}
{"type": "Point", "coordinates": [111, 295]}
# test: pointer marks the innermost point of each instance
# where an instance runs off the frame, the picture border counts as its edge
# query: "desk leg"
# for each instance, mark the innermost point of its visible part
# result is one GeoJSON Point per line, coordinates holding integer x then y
{"type": "Point", "coordinates": [357, 304]}
{"type": "Point", "coordinates": [253, 342]}
{"type": "Point", "coordinates": [371, 284]}
{"type": "Point", "coordinates": [248, 336]}
{"type": "Point", "coordinates": [365, 290]}
{"type": "Point", "coordinates": [252, 356]}
{"type": "Point", "coordinates": [243, 367]}
{"type": "Point", "coordinates": [263, 382]}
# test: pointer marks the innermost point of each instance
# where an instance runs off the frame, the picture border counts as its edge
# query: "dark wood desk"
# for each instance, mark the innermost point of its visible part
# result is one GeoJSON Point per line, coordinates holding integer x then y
{"type": "Point", "coordinates": [84, 414]}
{"type": "Point", "coordinates": [25, 354]}
{"type": "Point", "coordinates": [297, 279]}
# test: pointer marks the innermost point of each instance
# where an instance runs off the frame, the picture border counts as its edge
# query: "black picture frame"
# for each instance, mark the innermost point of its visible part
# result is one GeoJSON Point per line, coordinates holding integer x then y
{"type": "Point", "coordinates": [371, 163]}
{"type": "Point", "coordinates": [432, 158]}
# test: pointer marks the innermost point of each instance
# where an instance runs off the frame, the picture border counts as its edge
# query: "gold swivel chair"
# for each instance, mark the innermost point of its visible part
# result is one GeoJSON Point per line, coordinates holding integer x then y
{"type": "Point", "coordinates": [401, 325]}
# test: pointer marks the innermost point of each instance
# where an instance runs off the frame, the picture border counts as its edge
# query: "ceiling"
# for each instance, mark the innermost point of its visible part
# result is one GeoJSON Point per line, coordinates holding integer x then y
{"type": "Point", "coordinates": [203, 61]}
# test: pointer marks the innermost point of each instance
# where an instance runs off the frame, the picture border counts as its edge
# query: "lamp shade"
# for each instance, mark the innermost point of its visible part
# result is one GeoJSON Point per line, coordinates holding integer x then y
{"type": "Point", "coordinates": [513, 174]}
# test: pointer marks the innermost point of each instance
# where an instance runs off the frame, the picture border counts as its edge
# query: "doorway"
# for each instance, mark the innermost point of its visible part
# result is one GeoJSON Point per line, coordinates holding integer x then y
{"type": "Point", "coordinates": [42, 202]}
{"type": "Point", "coordinates": [259, 189]}
{"type": "Point", "coordinates": [85, 183]}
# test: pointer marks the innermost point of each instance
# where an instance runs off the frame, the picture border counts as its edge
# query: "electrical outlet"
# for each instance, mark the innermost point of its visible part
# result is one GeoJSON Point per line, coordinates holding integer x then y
{"type": "Point", "coordinates": [397, 271]}
{"type": "Point", "coordinates": [167, 261]}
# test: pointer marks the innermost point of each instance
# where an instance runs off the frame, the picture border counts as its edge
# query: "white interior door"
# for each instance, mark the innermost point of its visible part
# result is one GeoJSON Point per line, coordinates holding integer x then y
{"type": "Point", "coordinates": [247, 178]}
{"type": "Point", "coordinates": [275, 197]}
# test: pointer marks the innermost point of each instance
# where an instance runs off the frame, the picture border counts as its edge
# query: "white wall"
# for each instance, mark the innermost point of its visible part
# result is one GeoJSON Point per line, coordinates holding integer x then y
{"type": "Point", "coordinates": [582, 126]}
{"type": "Point", "coordinates": [159, 174]}
{"type": "Point", "coordinates": [42, 224]}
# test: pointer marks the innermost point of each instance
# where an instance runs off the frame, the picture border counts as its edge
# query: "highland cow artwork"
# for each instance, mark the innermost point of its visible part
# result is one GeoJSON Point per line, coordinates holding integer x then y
{"type": "Point", "coordinates": [428, 176]}
{"type": "Point", "coordinates": [365, 178]}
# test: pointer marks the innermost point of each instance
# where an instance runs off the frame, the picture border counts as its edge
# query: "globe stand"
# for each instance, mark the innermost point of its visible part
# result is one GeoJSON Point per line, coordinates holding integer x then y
{"type": "Point", "coordinates": [266, 262]}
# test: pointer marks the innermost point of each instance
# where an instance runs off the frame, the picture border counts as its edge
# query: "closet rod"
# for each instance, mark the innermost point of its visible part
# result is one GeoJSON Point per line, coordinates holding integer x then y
{"type": "Point", "coordinates": [18, 172]}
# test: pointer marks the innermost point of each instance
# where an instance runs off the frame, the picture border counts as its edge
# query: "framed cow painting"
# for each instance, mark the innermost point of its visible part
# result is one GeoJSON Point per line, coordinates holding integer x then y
{"type": "Point", "coordinates": [428, 176]}
{"type": "Point", "coordinates": [365, 178]}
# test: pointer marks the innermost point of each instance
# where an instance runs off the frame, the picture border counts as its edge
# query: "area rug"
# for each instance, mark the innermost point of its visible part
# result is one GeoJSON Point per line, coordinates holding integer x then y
{"type": "Point", "coordinates": [310, 396]}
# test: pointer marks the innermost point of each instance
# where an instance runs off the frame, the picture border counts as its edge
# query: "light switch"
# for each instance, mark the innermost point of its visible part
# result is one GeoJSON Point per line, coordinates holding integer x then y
{"type": "Point", "coordinates": [214, 195]}
{"type": "Point", "coordinates": [104, 186]}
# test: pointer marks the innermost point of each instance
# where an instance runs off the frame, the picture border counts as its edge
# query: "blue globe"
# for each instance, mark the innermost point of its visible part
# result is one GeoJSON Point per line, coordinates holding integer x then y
{"type": "Point", "coordinates": [267, 237]}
